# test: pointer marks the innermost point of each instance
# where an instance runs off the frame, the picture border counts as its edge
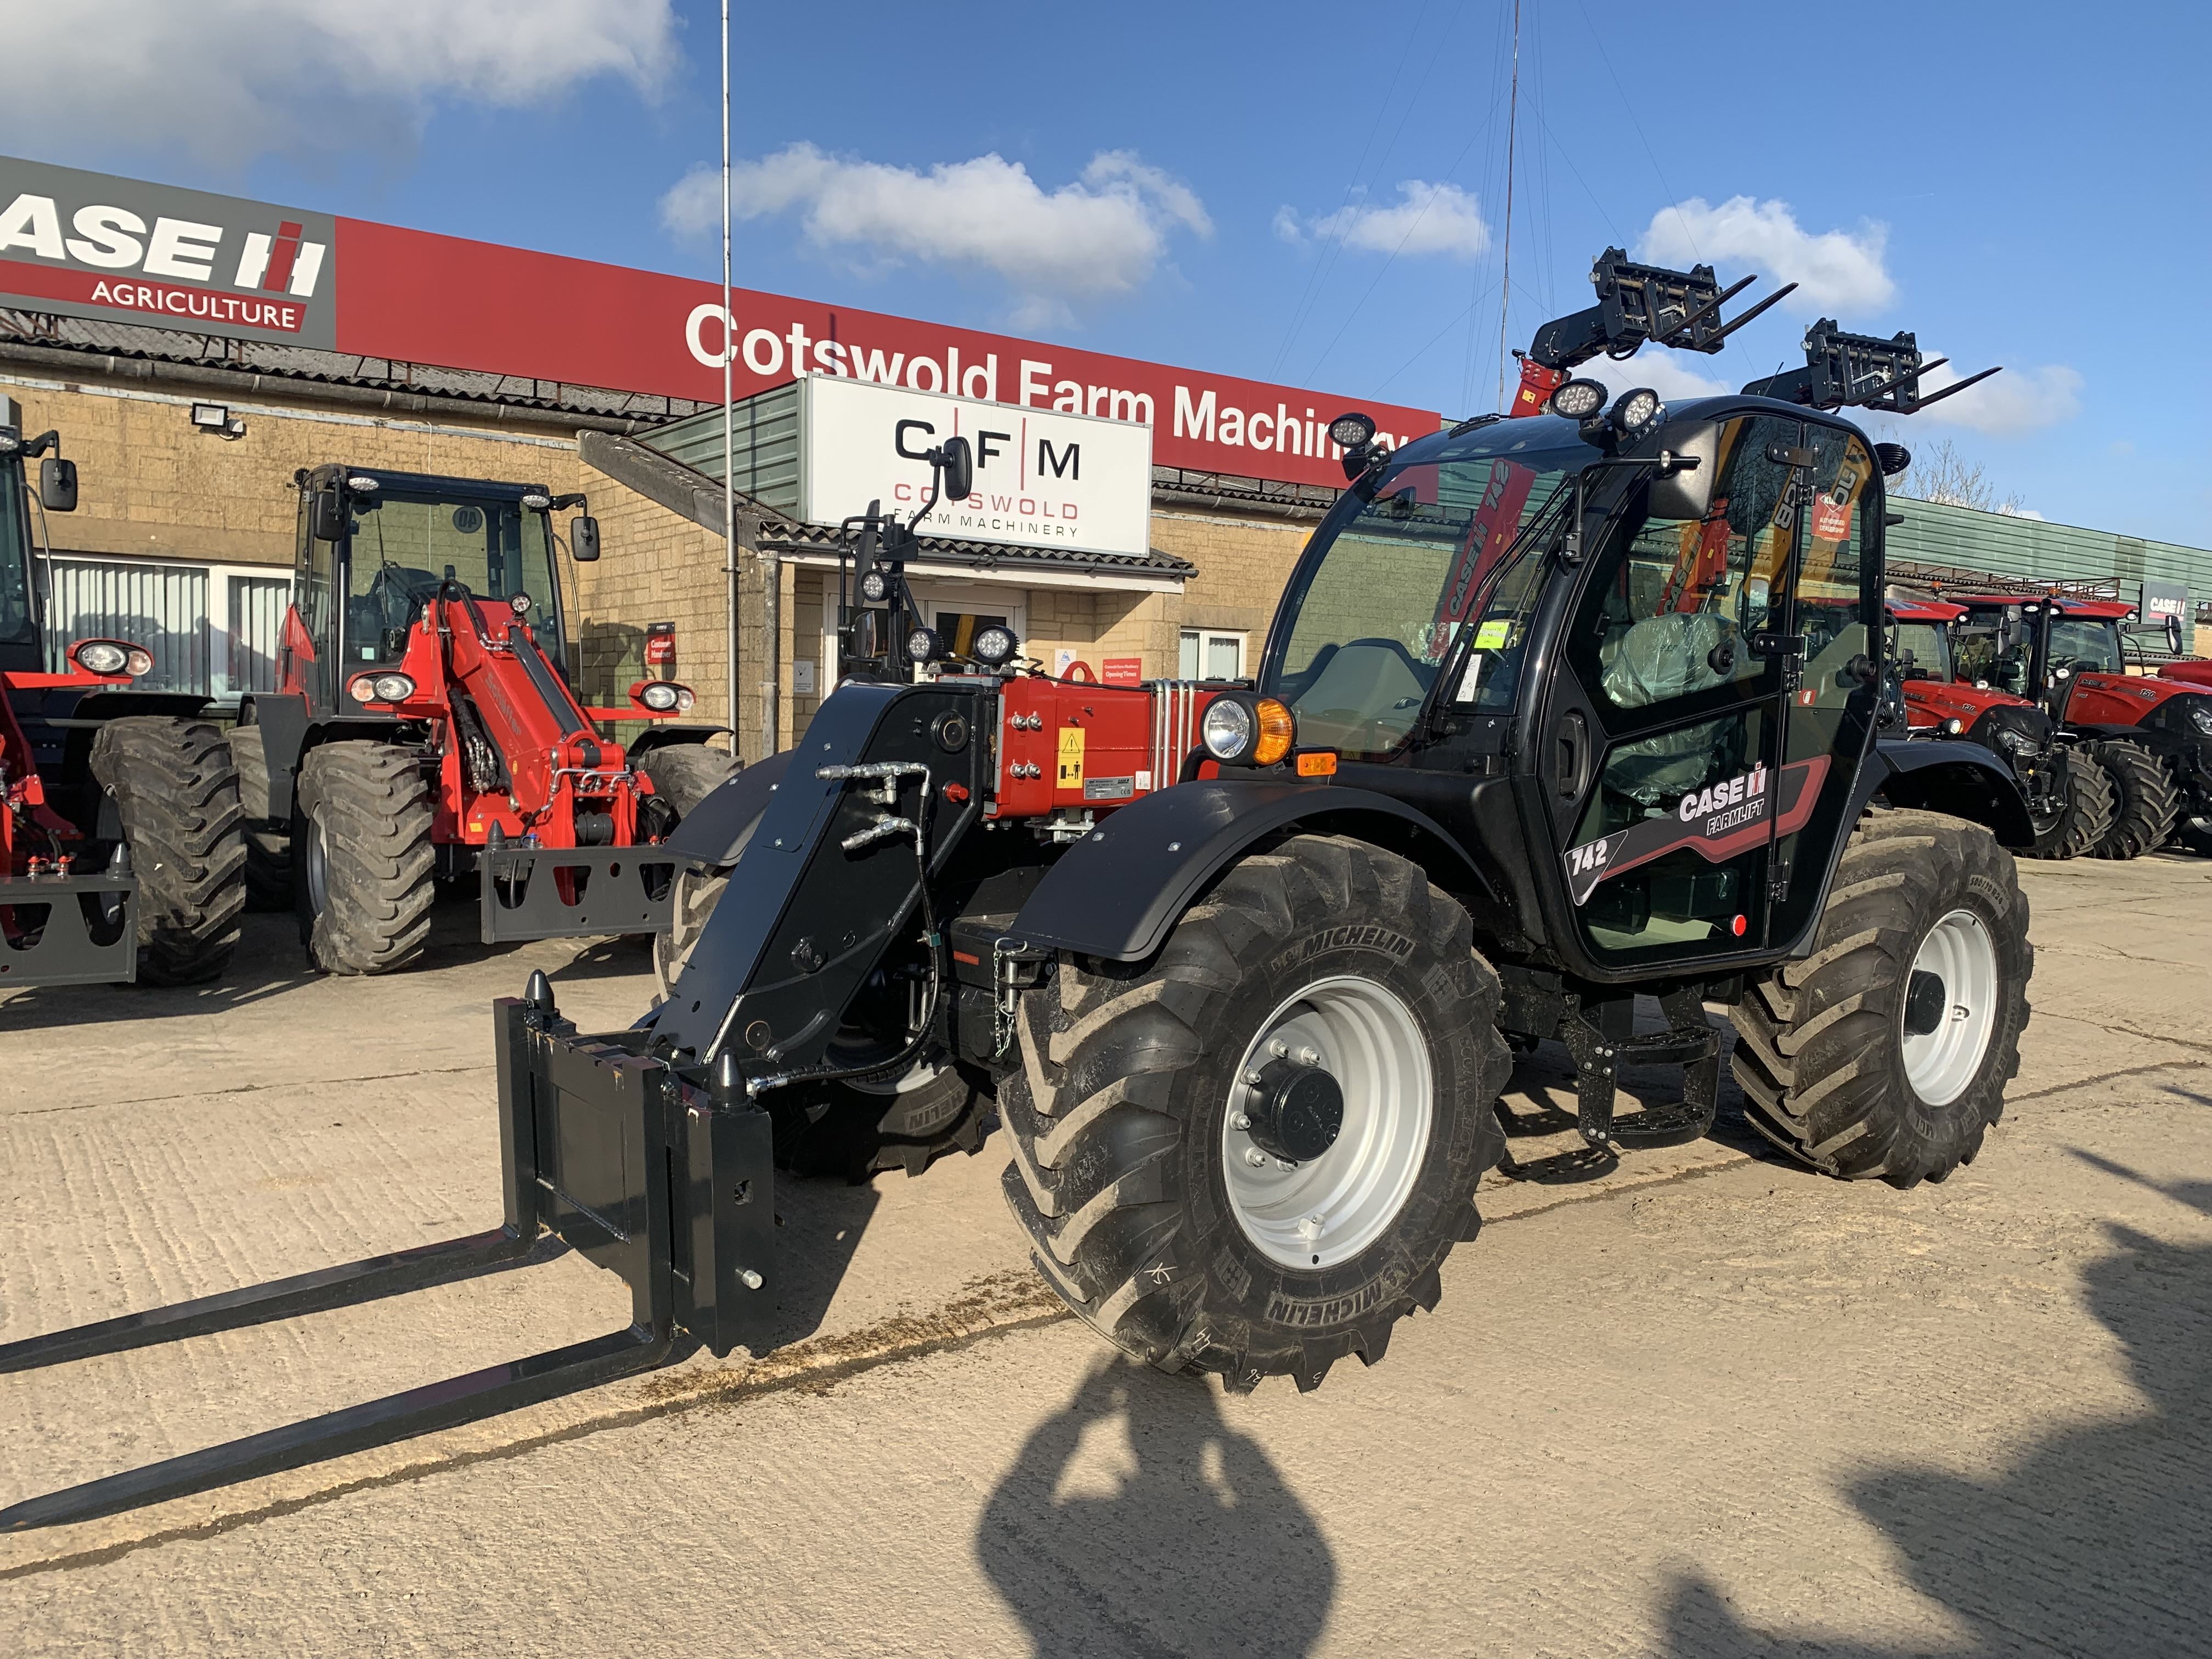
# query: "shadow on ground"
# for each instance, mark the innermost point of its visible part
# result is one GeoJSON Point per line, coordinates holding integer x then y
{"type": "Point", "coordinates": [1137, 1520]}
{"type": "Point", "coordinates": [2096, 1541]}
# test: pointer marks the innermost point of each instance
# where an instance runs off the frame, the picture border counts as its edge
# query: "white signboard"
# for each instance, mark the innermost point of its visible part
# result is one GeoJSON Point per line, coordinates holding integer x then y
{"type": "Point", "coordinates": [1042, 478]}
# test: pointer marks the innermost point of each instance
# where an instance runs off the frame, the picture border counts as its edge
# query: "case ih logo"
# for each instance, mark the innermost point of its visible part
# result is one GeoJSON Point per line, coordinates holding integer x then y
{"type": "Point", "coordinates": [1717, 822]}
{"type": "Point", "coordinates": [89, 245]}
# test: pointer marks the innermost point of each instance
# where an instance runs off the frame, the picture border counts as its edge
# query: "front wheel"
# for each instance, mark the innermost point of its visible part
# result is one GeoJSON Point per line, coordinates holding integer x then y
{"type": "Point", "coordinates": [2086, 817]}
{"type": "Point", "coordinates": [365, 863]}
{"type": "Point", "coordinates": [2145, 799]}
{"type": "Point", "coordinates": [176, 792]}
{"type": "Point", "coordinates": [1887, 1051]}
{"type": "Point", "coordinates": [1251, 1154]}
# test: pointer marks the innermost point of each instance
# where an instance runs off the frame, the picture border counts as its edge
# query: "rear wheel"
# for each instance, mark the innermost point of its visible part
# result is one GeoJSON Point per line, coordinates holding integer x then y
{"type": "Point", "coordinates": [1887, 1051]}
{"type": "Point", "coordinates": [1251, 1154]}
{"type": "Point", "coordinates": [2087, 816]}
{"type": "Point", "coordinates": [366, 864]}
{"type": "Point", "coordinates": [685, 774]}
{"type": "Point", "coordinates": [268, 841]}
{"type": "Point", "coordinates": [843, 1131]}
{"type": "Point", "coordinates": [2146, 803]}
{"type": "Point", "coordinates": [176, 792]}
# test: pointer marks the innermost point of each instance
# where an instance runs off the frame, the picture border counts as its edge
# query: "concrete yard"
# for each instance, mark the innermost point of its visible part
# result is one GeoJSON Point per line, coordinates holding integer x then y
{"type": "Point", "coordinates": [1708, 1404]}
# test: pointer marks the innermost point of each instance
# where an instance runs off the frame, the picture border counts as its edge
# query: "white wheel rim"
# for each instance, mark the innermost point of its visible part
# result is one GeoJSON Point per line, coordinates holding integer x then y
{"type": "Point", "coordinates": [1327, 1210]}
{"type": "Point", "coordinates": [1960, 955]}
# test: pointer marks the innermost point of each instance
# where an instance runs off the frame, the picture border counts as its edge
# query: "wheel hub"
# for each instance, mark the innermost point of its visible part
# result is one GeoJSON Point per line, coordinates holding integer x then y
{"type": "Point", "coordinates": [1924, 1003]}
{"type": "Point", "coordinates": [1297, 1112]}
{"type": "Point", "coordinates": [1951, 1004]}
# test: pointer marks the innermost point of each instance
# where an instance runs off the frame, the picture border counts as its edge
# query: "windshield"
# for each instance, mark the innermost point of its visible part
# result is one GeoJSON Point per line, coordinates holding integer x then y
{"type": "Point", "coordinates": [1408, 563]}
{"type": "Point", "coordinates": [404, 546]}
{"type": "Point", "coordinates": [2085, 646]}
{"type": "Point", "coordinates": [15, 621]}
{"type": "Point", "coordinates": [1923, 650]}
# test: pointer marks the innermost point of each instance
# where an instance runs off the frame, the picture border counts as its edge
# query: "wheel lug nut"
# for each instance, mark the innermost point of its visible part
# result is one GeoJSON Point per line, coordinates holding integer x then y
{"type": "Point", "coordinates": [1256, 1158]}
{"type": "Point", "coordinates": [1308, 1056]}
{"type": "Point", "coordinates": [1252, 1077]}
{"type": "Point", "coordinates": [1240, 1121]}
{"type": "Point", "coordinates": [1279, 1048]}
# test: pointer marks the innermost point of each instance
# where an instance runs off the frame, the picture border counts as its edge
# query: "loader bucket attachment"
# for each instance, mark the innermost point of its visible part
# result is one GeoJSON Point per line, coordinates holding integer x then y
{"type": "Point", "coordinates": [69, 929]}
{"type": "Point", "coordinates": [604, 1150]}
{"type": "Point", "coordinates": [567, 892]}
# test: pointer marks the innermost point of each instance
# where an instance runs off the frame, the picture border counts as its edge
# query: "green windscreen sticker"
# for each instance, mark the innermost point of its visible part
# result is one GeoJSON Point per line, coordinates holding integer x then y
{"type": "Point", "coordinates": [1491, 636]}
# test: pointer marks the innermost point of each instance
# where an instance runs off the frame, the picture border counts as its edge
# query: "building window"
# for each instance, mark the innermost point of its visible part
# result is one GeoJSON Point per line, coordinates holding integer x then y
{"type": "Point", "coordinates": [1211, 654]}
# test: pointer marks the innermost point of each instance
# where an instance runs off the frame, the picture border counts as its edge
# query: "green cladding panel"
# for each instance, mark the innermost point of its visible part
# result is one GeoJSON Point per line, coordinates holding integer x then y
{"type": "Point", "coordinates": [765, 444]}
{"type": "Point", "coordinates": [2005, 545]}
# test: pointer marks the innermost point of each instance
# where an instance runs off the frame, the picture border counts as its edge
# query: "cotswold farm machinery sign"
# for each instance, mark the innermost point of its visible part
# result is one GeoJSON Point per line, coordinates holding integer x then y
{"type": "Point", "coordinates": [88, 245]}
{"type": "Point", "coordinates": [1057, 480]}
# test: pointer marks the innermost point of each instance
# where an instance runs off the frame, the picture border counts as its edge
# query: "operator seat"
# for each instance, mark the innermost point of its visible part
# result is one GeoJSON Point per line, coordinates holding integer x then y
{"type": "Point", "coordinates": [1364, 681]}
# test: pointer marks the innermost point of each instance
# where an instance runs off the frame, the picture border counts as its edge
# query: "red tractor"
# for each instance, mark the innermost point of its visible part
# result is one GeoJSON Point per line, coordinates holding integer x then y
{"type": "Point", "coordinates": [2070, 796]}
{"type": "Point", "coordinates": [2151, 733]}
{"type": "Point", "coordinates": [426, 728]}
{"type": "Point", "coordinates": [120, 856]}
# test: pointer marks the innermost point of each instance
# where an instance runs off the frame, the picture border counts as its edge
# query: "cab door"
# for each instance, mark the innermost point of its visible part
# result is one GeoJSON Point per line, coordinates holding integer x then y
{"type": "Point", "coordinates": [1665, 774]}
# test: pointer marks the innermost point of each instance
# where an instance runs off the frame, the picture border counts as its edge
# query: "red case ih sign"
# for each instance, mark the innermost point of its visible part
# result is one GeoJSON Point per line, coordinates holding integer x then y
{"type": "Point", "coordinates": [88, 245]}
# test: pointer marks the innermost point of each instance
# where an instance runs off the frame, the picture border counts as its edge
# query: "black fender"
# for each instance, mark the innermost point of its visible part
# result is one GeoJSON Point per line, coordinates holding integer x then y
{"type": "Point", "coordinates": [709, 831]}
{"type": "Point", "coordinates": [1116, 892]}
{"type": "Point", "coordinates": [668, 737]}
{"type": "Point", "coordinates": [1952, 776]}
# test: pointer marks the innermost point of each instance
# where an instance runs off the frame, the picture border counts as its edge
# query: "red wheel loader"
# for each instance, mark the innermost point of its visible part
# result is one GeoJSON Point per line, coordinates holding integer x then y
{"type": "Point", "coordinates": [1240, 964]}
{"type": "Point", "coordinates": [426, 728]}
{"type": "Point", "coordinates": [120, 853]}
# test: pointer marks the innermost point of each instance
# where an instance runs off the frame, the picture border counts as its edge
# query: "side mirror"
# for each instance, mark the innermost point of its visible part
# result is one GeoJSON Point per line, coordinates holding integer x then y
{"type": "Point", "coordinates": [956, 474]}
{"type": "Point", "coordinates": [57, 484]}
{"type": "Point", "coordinates": [326, 515]}
{"type": "Point", "coordinates": [1684, 489]}
{"type": "Point", "coordinates": [584, 539]}
{"type": "Point", "coordinates": [2173, 624]}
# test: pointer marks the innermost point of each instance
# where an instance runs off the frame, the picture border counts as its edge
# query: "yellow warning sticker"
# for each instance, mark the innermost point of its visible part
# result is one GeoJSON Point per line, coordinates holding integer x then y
{"type": "Point", "coordinates": [1071, 759]}
{"type": "Point", "coordinates": [1491, 635]}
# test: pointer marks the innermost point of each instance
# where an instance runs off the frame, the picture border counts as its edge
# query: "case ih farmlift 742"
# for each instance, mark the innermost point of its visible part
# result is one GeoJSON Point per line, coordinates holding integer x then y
{"type": "Point", "coordinates": [120, 855]}
{"type": "Point", "coordinates": [1242, 963]}
{"type": "Point", "coordinates": [425, 727]}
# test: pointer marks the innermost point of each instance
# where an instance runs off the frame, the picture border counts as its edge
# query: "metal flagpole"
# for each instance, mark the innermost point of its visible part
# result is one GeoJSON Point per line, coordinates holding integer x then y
{"type": "Point", "coordinates": [729, 417]}
{"type": "Point", "coordinates": [1505, 285]}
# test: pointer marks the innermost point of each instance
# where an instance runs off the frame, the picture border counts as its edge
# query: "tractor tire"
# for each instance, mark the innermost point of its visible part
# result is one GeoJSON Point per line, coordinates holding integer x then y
{"type": "Point", "coordinates": [1150, 1203]}
{"type": "Point", "coordinates": [268, 841]}
{"type": "Point", "coordinates": [685, 774]}
{"type": "Point", "coordinates": [176, 792]}
{"type": "Point", "coordinates": [2146, 801]}
{"type": "Point", "coordinates": [2090, 809]}
{"type": "Point", "coordinates": [1839, 1065]}
{"type": "Point", "coordinates": [364, 878]}
{"type": "Point", "coordinates": [840, 1131]}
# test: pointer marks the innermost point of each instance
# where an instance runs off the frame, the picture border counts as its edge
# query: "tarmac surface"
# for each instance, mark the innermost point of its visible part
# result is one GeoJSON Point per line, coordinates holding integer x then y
{"type": "Point", "coordinates": [1706, 1404]}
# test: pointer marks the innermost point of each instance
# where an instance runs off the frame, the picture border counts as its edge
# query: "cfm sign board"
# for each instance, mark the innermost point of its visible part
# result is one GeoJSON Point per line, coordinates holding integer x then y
{"type": "Point", "coordinates": [87, 245]}
{"type": "Point", "coordinates": [1042, 479]}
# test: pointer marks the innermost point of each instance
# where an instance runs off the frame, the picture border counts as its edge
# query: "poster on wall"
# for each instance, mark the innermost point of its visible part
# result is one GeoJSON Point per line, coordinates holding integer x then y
{"type": "Point", "coordinates": [1042, 479]}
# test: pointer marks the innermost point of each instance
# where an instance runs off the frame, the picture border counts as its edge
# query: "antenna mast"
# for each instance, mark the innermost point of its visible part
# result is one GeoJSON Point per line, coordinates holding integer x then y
{"type": "Point", "coordinates": [1506, 282]}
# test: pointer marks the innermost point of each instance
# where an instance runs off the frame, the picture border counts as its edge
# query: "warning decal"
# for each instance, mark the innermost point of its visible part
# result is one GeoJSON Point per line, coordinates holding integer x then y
{"type": "Point", "coordinates": [1071, 759]}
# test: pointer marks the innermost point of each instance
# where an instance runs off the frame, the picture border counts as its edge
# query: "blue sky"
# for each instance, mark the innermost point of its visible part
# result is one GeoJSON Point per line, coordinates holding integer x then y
{"type": "Point", "coordinates": [1289, 192]}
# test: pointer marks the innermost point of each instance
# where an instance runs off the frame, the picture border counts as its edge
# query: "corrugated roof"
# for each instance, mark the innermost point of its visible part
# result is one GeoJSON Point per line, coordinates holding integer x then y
{"type": "Point", "coordinates": [1965, 538]}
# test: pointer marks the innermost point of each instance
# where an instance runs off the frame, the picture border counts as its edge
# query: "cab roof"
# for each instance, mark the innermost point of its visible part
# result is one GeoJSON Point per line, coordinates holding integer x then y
{"type": "Point", "coordinates": [1927, 610]}
{"type": "Point", "coordinates": [2064, 605]}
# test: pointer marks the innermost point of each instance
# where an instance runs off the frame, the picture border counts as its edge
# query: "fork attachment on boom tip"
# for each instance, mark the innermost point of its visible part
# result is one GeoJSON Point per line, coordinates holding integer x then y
{"type": "Point", "coordinates": [606, 1151]}
{"type": "Point", "coordinates": [1861, 371]}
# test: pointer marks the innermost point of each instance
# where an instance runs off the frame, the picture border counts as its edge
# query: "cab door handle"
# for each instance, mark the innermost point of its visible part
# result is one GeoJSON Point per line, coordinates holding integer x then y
{"type": "Point", "coordinates": [1571, 769]}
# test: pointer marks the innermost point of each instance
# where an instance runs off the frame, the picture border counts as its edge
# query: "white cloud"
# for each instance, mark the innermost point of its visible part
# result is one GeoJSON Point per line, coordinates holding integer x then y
{"type": "Point", "coordinates": [2018, 400]}
{"type": "Point", "coordinates": [1667, 372]}
{"type": "Point", "coordinates": [1100, 236]}
{"type": "Point", "coordinates": [1837, 271]}
{"type": "Point", "coordinates": [2011, 511]}
{"type": "Point", "coordinates": [226, 81]}
{"type": "Point", "coordinates": [1426, 218]}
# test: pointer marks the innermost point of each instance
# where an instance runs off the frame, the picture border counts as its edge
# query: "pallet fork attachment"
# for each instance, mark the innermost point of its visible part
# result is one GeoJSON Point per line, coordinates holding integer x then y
{"type": "Point", "coordinates": [605, 1151]}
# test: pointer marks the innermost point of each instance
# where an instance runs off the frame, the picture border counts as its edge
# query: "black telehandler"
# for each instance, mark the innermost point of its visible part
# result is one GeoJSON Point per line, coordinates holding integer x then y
{"type": "Point", "coordinates": [1555, 713]}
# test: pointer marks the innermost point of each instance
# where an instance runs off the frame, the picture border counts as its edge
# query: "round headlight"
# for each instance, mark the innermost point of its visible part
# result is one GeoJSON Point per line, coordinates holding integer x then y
{"type": "Point", "coordinates": [1635, 410]}
{"type": "Point", "coordinates": [993, 646]}
{"type": "Point", "coordinates": [875, 587]}
{"type": "Point", "coordinates": [519, 604]}
{"type": "Point", "coordinates": [1352, 431]}
{"type": "Point", "coordinates": [684, 698]}
{"type": "Point", "coordinates": [1955, 726]}
{"type": "Point", "coordinates": [660, 696]}
{"type": "Point", "coordinates": [1227, 729]}
{"type": "Point", "coordinates": [10, 440]}
{"type": "Point", "coordinates": [1579, 399]}
{"type": "Point", "coordinates": [923, 646]}
{"type": "Point", "coordinates": [139, 661]}
{"type": "Point", "coordinates": [102, 657]}
{"type": "Point", "coordinates": [390, 688]}
{"type": "Point", "coordinates": [2200, 716]}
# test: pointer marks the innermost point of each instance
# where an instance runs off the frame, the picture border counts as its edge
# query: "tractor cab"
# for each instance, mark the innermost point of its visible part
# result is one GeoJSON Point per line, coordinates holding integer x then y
{"type": "Point", "coordinates": [377, 548]}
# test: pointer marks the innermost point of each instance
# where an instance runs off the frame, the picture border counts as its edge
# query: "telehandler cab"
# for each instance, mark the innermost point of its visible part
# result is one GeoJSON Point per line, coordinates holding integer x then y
{"type": "Point", "coordinates": [425, 727]}
{"type": "Point", "coordinates": [120, 855]}
{"type": "Point", "coordinates": [1555, 713]}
